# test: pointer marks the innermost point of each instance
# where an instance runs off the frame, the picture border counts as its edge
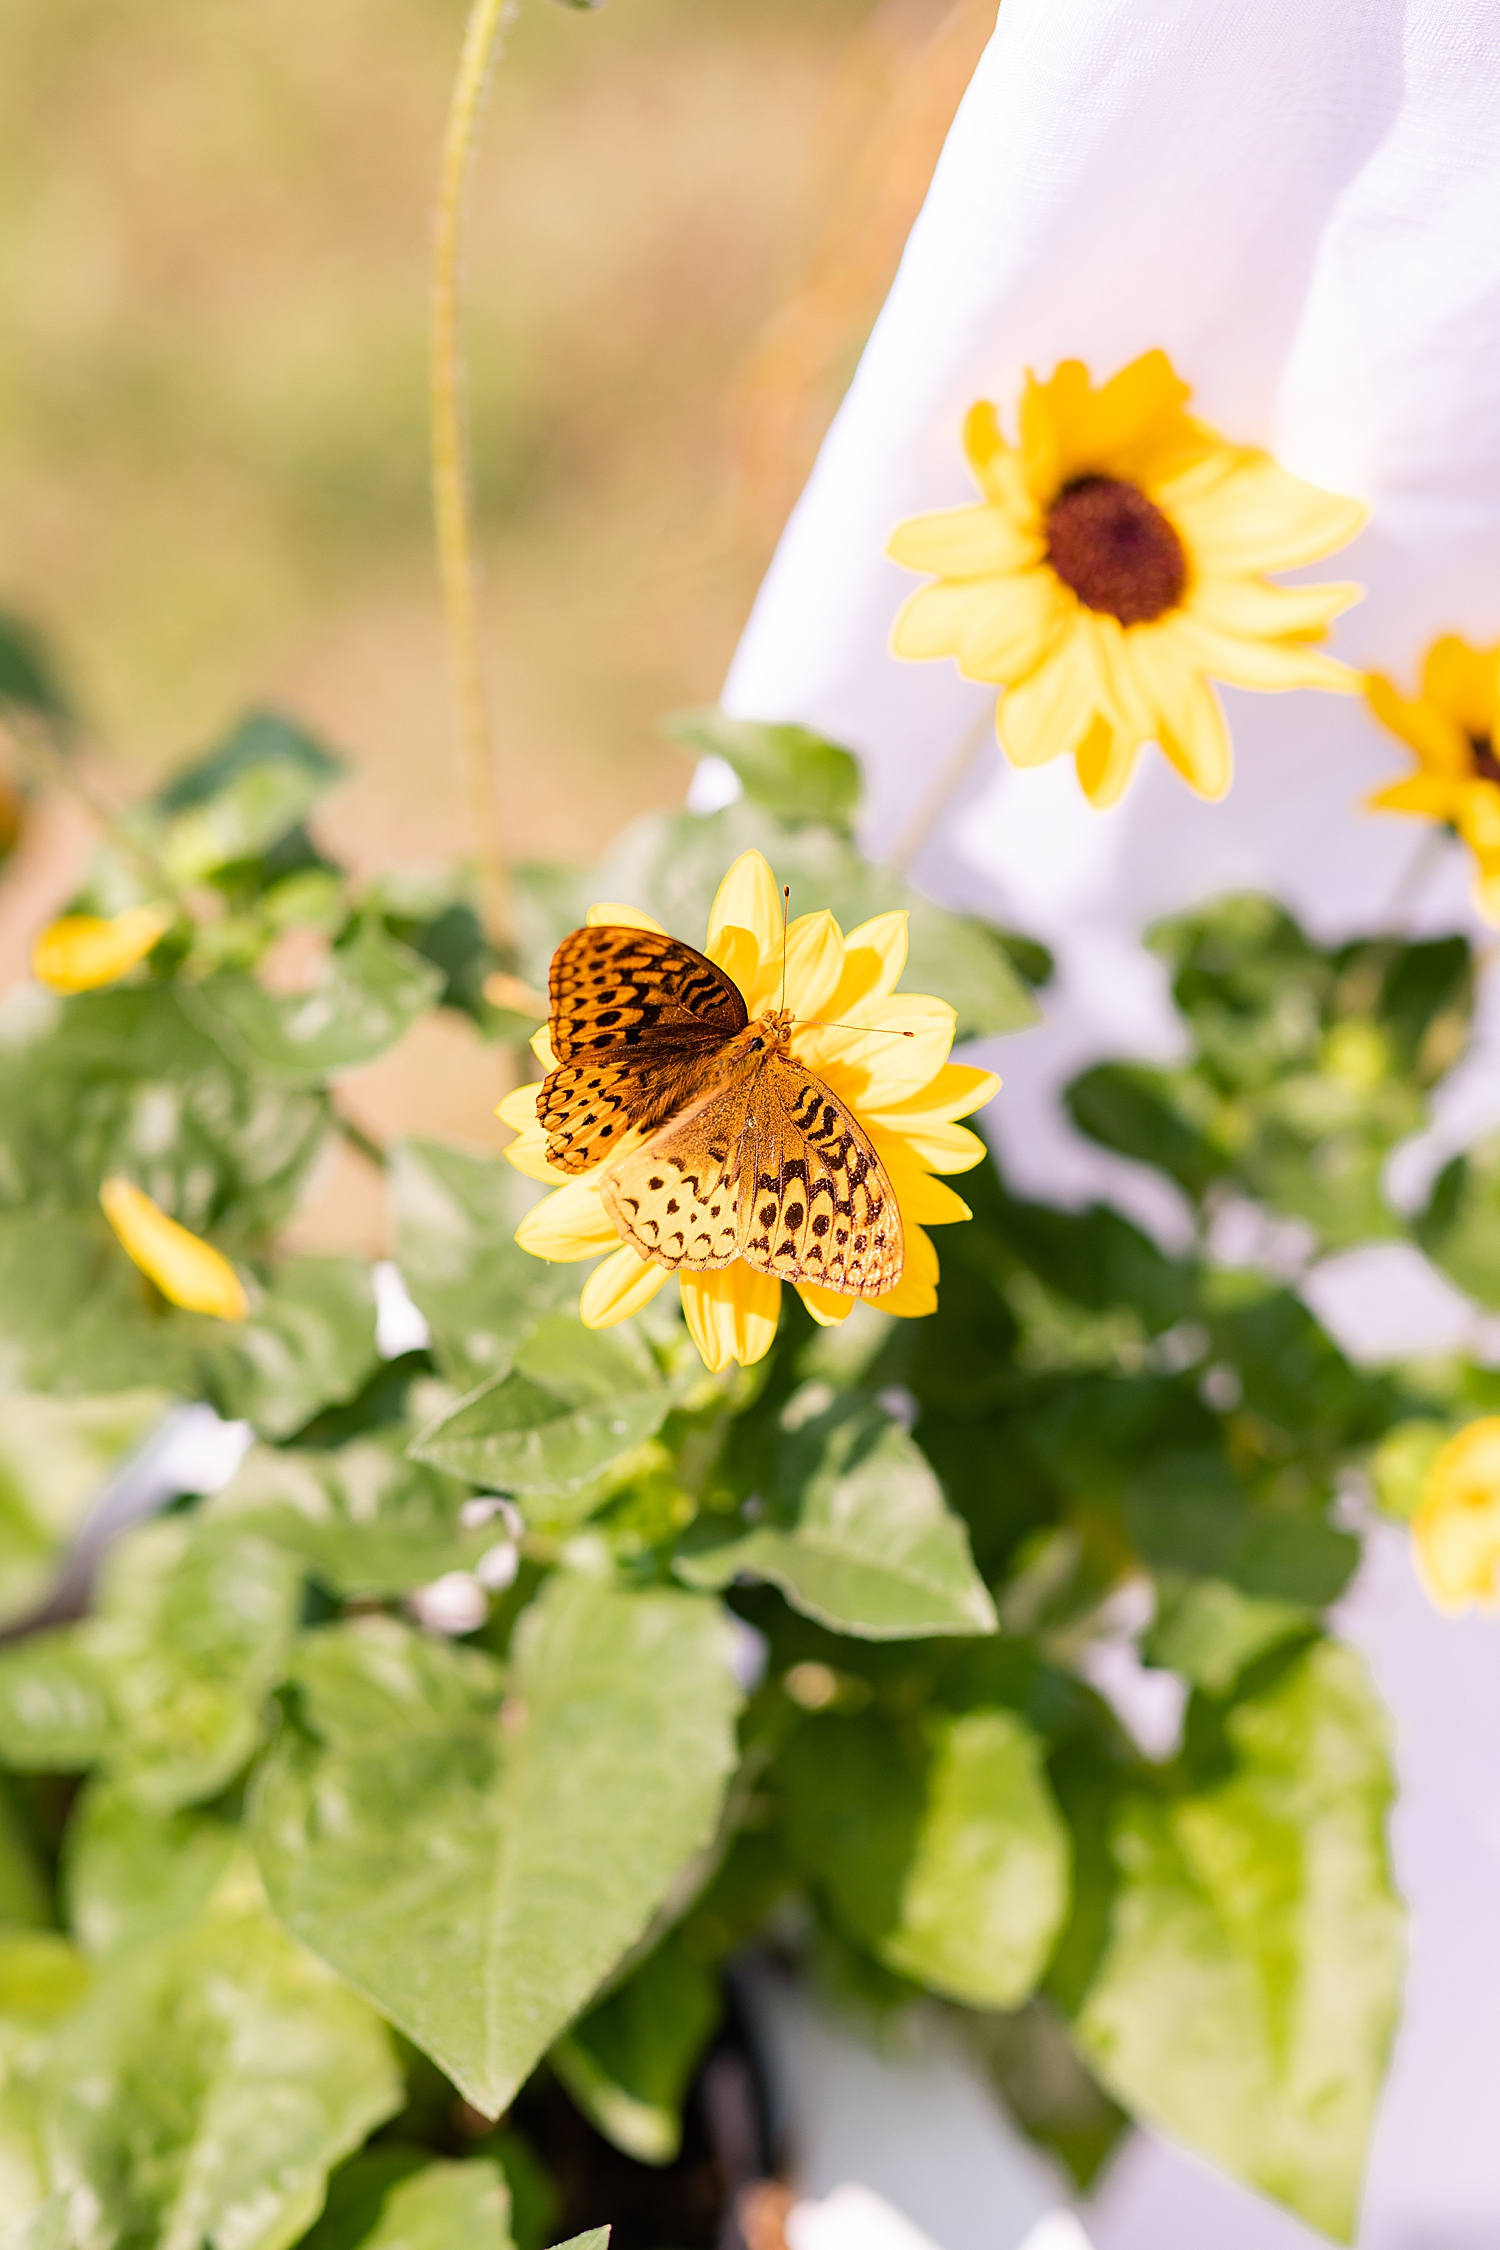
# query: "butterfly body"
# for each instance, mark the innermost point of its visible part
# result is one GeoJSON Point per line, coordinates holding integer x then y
{"type": "Point", "coordinates": [729, 1146]}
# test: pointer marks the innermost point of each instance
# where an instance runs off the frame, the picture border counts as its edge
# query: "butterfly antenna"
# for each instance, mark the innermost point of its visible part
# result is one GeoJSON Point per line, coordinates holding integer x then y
{"type": "Point", "coordinates": [872, 1030]}
{"type": "Point", "coordinates": [786, 908]}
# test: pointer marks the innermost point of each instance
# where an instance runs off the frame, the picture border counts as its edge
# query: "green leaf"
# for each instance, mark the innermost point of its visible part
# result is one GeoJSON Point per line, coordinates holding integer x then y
{"type": "Point", "coordinates": [208, 2084]}
{"type": "Point", "coordinates": [1160, 1117]}
{"type": "Point", "coordinates": [369, 1521]}
{"type": "Point", "coordinates": [245, 796]}
{"type": "Point", "coordinates": [438, 2208]}
{"type": "Point", "coordinates": [1402, 1463]}
{"type": "Point", "coordinates": [480, 1881]}
{"type": "Point", "coordinates": [1188, 1513]}
{"type": "Point", "coordinates": [75, 1316]}
{"type": "Point", "coordinates": [1248, 1995]}
{"type": "Point", "coordinates": [987, 1889]}
{"type": "Point", "coordinates": [25, 1900]}
{"type": "Point", "coordinates": [597, 2238]}
{"type": "Point", "coordinates": [574, 1399]}
{"type": "Point", "coordinates": [370, 992]}
{"type": "Point", "coordinates": [124, 1081]}
{"type": "Point", "coordinates": [864, 1540]}
{"type": "Point", "coordinates": [1210, 1632]}
{"type": "Point", "coordinates": [42, 1980]}
{"type": "Point", "coordinates": [134, 1874]}
{"type": "Point", "coordinates": [56, 1456]}
{"type": "Point", "coordinates": [1460, 1229]}
{"type": "Point", "coordinates": [629, 2061]}
{"type": "Point", "coordinates": [167, 1684]}
{"type": "Point", "coordinates": [790, 770]}
{"type": "Point", "coordinates": [309, 1343]}
{"type": "Point", "coordinates": [28, 679]}
{"type": "Point", "coordinates": [456, 1215]}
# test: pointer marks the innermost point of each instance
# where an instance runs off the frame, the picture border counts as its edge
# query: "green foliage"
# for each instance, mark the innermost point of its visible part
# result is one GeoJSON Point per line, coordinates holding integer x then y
{"type": "Point", "coordinates": [1252, 1981]}
{"type": "Point", "coordinates": [482, 1880]}
{"type": "Point", "coordinates": [519, 1862]}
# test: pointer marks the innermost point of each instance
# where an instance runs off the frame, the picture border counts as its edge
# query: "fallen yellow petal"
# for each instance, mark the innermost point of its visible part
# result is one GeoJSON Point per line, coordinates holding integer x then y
{"type": "Point", "coordinates": [185, 1268]}
{"type": "Point", "coordinates": [83, 951]}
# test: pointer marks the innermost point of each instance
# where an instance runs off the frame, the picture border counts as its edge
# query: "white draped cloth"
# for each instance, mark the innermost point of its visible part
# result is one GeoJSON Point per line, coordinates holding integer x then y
{"type": "Point", "coordinates": [1299, 200]}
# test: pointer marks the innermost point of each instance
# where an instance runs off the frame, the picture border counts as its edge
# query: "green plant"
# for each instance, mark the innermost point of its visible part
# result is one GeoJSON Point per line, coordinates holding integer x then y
{"type": "Point", "coordinates": [297, 1895]}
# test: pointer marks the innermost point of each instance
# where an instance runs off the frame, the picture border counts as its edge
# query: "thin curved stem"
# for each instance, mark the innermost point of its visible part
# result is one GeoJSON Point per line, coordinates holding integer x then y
{"type": "Point", "coordinates": [452, 482]}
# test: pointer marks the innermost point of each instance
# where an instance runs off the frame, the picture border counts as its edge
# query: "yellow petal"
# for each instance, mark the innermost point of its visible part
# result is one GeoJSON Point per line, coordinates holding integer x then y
{"type": "Point", "coordinates": [1439, 741]}
{"type": "Point", "coordinates": [736, 952]}
{"type": "Point", "coordinates": [870, 1063]}
{"type": "Point", "coordinates": [528, 1153]}
{"type": "Point", "coordinates": [1456, 1530]}
{"type": "Point", "coordinates": [1000, 471]}
{"type": "Point", "coordinates": [827, 1307]}
{"type": "Point", "coordinates": [957, 1090]}
{"type": "Point", "coordinates": [1048, 715]}
{"type": "Point", "coordinates": [1249, 605]}
{"type": "Point", "coordinates": [1426, 794]}
{"type": "Point", "coordinates": [541, 1047]}
{"type": "Point", "coordinates": [620, 1287]}
{"type": "Point", "coordinates": [748, 896]}
{"type": "Point", "coordinates": [1462, 682]}
{"type": "Point", "coordinates": [1134, 414]}
{"type": "Point", "coordinates": [1259, 664]}
{"type": "Point", "coordinates": [731, 1315]}
{"type": "Point", "coordinates": [1189, 719]}
{"type": "Point", "coordinates": [1106, 760]}
{"type": "Point", "coordinates": [924, 1200]}
{"type": "Point", "coordinates": [83, 951]}
{"type": "Point", "coordinates": [942, 1148]}
{"type": "Point", "coordinates": [1487, 890]}
{"type": "Point", "coordinates": [185, 1268]}
{"type": "Point", "coordinates": [814, 964]}
{"type": "Point", "coordinates": [609, 916]}
{"type": "Point", "coordinates": [1479, 817]}
{"type": "Point", "coordinates": [570, 1225]}
{"type": "Point", "coordinates": [1257, 517]}
{"type": "Point", "coordinates": [982, 542]}
{"type": "Point", "coordinates": [915, 1294]}
{"type": "Point", "coordinates": [518, 1109]}
{"type": "Point", "coordinates": [874, 957]}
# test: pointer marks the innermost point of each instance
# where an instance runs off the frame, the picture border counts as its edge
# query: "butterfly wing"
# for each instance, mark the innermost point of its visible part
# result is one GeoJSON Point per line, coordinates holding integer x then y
{"type": "Point", "coordinates": [637, 1018]}
{"type": "Point", "coordinates": [816, 1203]}
{"type": "Point", "coordinates": [769, 1167]}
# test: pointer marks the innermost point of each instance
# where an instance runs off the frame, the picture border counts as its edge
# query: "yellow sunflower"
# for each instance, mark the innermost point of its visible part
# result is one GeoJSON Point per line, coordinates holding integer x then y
{"type": "Point", "coordinates": [1114, 567]}
{"type": "Point", "coordinates": [1454, 728]}
{"type": "Point", "coordinates": [1456, 1530]}
{"type": "Point", "coordinates": [905, 1093]}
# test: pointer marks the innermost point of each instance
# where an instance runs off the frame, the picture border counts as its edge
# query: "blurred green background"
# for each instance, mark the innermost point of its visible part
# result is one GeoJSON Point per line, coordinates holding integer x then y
{"type": "Point", "coordinates": [214, 233]}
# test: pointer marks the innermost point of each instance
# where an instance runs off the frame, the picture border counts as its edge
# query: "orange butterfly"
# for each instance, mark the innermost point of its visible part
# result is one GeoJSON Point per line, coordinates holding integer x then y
{"type": "Point", "coordinates": [729, 1146]}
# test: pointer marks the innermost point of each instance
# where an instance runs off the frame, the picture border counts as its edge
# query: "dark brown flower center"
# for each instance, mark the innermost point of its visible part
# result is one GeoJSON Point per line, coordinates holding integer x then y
{"type": "Point", "coordinates": [1116, 549]}
{"type": "Point", "coordinates": [1482, 750]}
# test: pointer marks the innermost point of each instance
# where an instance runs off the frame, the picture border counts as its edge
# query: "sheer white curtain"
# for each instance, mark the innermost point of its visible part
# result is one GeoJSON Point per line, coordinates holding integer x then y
{"type": "Point", "coordinates": [1300, 201]}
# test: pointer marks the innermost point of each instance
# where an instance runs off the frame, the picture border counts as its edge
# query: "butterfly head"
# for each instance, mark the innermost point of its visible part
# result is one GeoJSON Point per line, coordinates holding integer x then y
{"type": "Point", "coordinates": [770, 1034]}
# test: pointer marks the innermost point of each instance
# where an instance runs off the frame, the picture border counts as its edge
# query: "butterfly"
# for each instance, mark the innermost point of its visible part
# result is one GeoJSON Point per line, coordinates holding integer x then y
{"type": "Point", "coordinates": [745, 1152]}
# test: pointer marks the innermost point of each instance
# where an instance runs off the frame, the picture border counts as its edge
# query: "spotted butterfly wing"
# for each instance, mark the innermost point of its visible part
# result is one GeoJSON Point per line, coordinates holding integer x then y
{"type": "Point", "coordinates": [769, 1167]}
{"type": "Point", "coordinates": [638, 1021]}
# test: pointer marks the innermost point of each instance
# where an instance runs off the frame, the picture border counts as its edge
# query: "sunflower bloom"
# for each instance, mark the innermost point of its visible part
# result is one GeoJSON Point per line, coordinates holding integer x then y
{"type": "Point", "coordinates": [1114, 568]}
{"type": "Point", "coordinates": [904, 1091]}
{"type": "Point", "coordinates": [83, 951]}
{"type": "Point", "coordinates": [1454, 728]}
{"type": "Point", "coordinates": [186, 1269]}
{"type": "Point", "coordinates": [1456, 1529]}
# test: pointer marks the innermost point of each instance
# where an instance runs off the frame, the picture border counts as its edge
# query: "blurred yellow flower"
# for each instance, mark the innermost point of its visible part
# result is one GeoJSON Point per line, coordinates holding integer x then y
{"type": "Point", "coordinates": [1114, 568]}
{"type": "Point", "coordinates": [1454, 728]}
{"type": "Point", "coordinates": [85, 950]}
{"type": "Point", "coordinates": [1456, 1529]}
{"type": "Point", "coordinates": [905, 1093]}
{"type": "Point", "coordinates": [185, 1268]}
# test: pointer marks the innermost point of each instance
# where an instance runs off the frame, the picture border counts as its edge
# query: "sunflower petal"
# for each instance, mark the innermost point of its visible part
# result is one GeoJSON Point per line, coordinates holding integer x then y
{"type": "Point", "coordinates": [874, 957]}
{"type": "Point", "coordinates": [1258, 517]}
{"type": "Point", "coordinates": [1464, 683]}
{"type": "Point", "coordinates": [518, 1110]}
{"type": "Point", "coordinates": [973, 542]}
{"type": "Point", "coordinates": [731, 1315]}
{"type": "Point", "coordinates": [1436, 738]}
{"type": "Point", "coordinates": [620, 1287]}
{"type": "Point", "coordinates": [187, 1270]}
{"type": "Point", "coordinates": [570, 1225]}
{"type": "Point", "coordinates": [735, 952]}
{"type": "Point", "coordinates": [1249, 605]}
{"type": "Point", "coordinates": [1243, 662]}
{"type": "Point", "coordinates": [814, 963]}
{"type": "Point", "coordinates": [1047, 715]}
{"type": "Point", "coordinates": [827, 1307]}
{"type": "Point", "coordinates": [1189, 719]}
{"type": "Point", "coordinates": [83, 951]}
{"type": "Point", "coordinates": [610, 916]}
{"type": "Point", "coordinates": [748, 897]}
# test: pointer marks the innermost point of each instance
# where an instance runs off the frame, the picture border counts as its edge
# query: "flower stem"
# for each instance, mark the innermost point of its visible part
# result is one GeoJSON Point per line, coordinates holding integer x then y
{"type": "Point", "coordinates": [930, 808]}
{"type": "Point", "coordinates": [452, 480]}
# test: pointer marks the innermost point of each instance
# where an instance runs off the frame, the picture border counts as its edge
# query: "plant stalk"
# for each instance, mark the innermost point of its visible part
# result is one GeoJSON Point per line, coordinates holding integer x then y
{"type": "Point", "coordinates": [452, 474]}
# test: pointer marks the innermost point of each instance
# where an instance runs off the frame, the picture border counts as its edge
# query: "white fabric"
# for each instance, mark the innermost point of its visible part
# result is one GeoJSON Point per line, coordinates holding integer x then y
{"type": "Point", "coordinates": [1299, 200]}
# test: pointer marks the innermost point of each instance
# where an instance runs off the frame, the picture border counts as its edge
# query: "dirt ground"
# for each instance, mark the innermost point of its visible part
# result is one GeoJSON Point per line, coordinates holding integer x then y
{"type": "Point", "coordinates": [214, 229]}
